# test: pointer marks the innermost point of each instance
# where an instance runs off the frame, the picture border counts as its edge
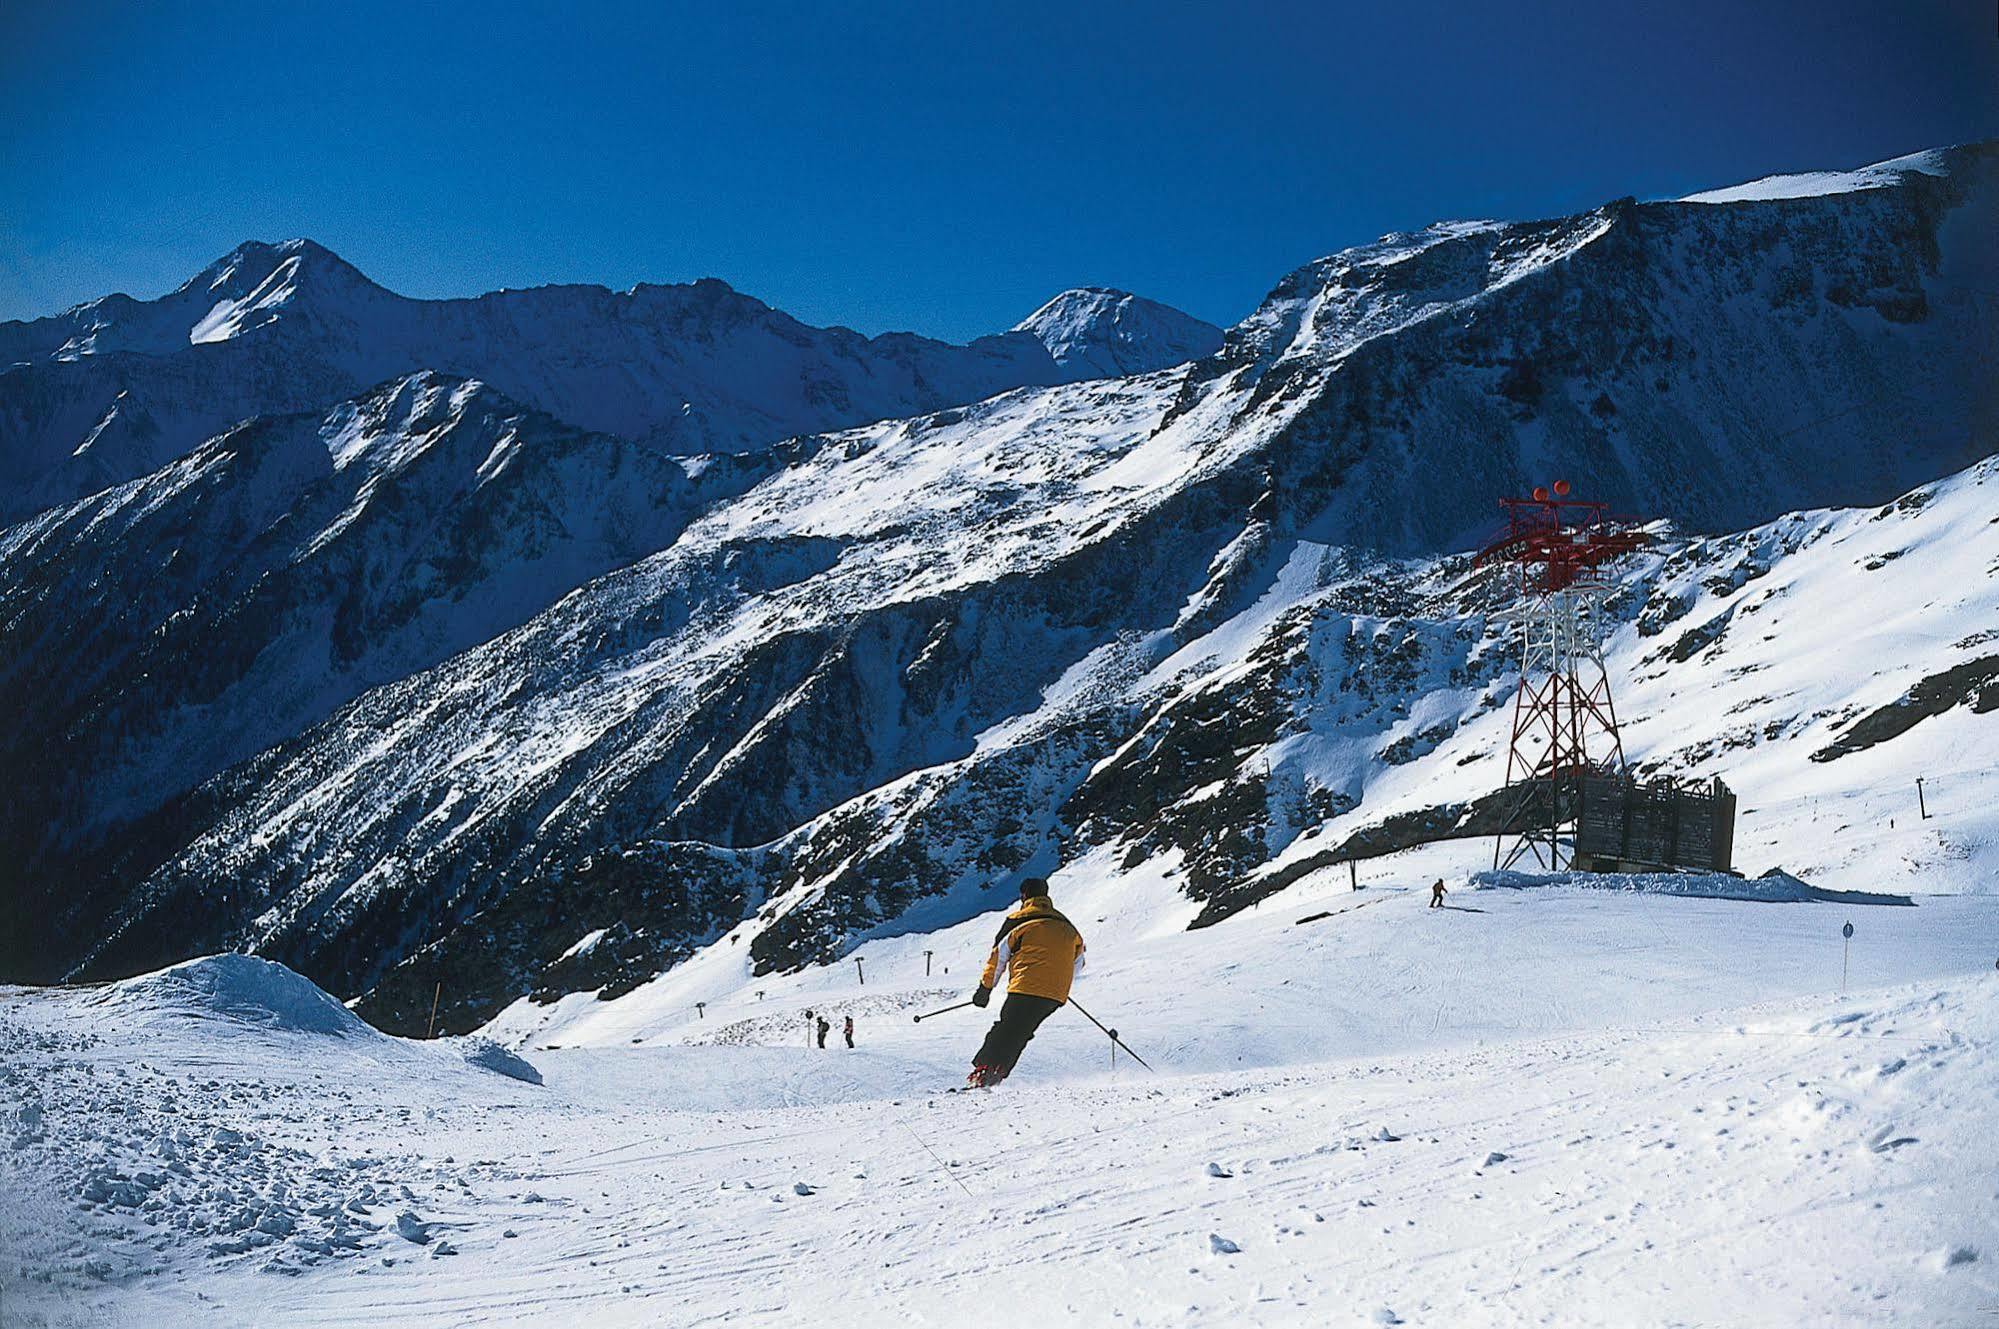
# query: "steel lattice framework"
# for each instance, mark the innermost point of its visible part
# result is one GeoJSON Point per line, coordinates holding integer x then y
{"type": "Point", "coordinates": [1564, 721]}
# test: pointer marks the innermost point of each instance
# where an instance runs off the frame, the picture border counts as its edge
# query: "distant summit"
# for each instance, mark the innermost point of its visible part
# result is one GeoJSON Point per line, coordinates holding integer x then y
{"type": "Point", "coordinates": [1098, 332]}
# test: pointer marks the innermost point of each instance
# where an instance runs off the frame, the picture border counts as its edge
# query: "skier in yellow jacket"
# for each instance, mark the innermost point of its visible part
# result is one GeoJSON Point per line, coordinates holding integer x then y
{"type": "Point", "coordinates": [1040, 952]}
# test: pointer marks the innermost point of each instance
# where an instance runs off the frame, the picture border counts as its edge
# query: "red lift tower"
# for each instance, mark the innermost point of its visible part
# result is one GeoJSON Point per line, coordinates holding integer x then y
{"type": "Point", "coordinates": [1564, 724]}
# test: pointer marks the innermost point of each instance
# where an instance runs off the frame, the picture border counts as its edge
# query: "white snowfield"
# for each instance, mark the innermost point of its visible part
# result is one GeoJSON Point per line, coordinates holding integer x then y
{"type": "Point", "coordinates": [1538, 1105]}
{"type": "Point", "coordinates": [1811, 184]}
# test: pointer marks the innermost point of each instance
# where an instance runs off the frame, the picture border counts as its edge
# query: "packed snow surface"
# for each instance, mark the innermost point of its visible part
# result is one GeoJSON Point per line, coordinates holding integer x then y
{"type": "Point", "coordinates": [484, 1052]}
{"type": "Point", "coordinates": [1546, 1106]}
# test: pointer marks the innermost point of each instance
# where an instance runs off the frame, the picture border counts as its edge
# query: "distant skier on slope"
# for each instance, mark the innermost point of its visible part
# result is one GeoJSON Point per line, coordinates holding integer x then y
{"type": "Point", "coordinates": [1041, 953]}
{"type": "Point", "coordinates": [825, 1026]}
{"type": "Point", "coordinates": [849, 1031]}
{"type": "Point", "coordinates": [1437, 893]}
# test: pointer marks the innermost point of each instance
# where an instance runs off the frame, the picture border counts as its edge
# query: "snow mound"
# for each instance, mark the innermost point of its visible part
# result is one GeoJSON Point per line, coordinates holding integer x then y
{"type": "Point", "coordinates": [1775, 886]}
{"type": "Point", "coordinates": [488, 1055]}
{"type": "Point", "coordinates": [244, 988]}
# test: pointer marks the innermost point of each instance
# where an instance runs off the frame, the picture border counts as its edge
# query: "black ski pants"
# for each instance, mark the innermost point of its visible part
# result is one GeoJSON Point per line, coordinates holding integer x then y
{"type": "Point", "coordinates": [1020, 1015]}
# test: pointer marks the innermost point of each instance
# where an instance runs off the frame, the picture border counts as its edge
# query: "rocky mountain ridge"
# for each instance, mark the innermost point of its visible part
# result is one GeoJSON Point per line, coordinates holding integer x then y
{"type": "Point", "coordinates": [113, 389]}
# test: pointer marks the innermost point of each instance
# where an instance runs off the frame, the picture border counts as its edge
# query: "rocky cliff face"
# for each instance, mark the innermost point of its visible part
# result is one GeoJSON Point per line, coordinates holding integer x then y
{"type": "Point", "coordinates": [1205, 619]}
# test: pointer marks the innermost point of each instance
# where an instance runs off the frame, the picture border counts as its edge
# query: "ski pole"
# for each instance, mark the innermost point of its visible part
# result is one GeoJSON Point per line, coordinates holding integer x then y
{"type": "Point", "coordinates": [1113, 1034]}
{"type": "Point", "coordinates": [919, 1019]}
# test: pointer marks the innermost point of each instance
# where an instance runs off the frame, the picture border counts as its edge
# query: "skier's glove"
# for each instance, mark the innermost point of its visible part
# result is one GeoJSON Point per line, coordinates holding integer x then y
{"type": "Point", "coordinates": [981, 996]}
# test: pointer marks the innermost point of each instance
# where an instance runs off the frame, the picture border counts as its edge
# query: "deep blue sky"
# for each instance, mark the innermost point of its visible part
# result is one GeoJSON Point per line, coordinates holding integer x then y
{"type": "Point", "coordinates": [941, 167]}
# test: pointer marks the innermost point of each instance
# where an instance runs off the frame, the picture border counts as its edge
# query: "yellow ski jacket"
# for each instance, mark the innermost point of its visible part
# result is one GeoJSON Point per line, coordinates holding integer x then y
{"type": "Point", "coordinates": [1038, 950]}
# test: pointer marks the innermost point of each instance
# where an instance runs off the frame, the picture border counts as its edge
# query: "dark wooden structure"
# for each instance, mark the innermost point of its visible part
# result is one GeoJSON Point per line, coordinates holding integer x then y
{"type": "Point", "coordinates": [1626, 824]}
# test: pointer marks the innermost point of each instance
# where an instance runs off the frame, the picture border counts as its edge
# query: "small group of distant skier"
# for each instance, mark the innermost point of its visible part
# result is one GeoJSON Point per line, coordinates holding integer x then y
{"type": "Point", "coordinates": [819, 1024]}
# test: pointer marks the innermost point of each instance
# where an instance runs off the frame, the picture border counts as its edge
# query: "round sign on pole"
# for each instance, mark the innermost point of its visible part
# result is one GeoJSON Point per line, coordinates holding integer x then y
{"type": "Point", "coordinates": [1846, 931]}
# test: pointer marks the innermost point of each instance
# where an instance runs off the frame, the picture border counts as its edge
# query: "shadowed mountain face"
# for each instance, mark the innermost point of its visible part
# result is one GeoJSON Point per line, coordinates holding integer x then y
{"type": "Point", "coordinates": [113, 389]}
{"type": "Point", "coordinates": [394, 711]}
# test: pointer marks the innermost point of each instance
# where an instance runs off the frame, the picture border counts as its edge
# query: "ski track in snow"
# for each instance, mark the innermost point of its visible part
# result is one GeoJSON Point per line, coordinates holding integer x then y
{"type": "Point", "coordinates": [1573, 1107]}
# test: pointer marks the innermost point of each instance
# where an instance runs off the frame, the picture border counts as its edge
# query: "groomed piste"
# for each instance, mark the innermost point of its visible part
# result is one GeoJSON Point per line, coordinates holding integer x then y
{"type": "Point", "coordinates": [1357, 1099]}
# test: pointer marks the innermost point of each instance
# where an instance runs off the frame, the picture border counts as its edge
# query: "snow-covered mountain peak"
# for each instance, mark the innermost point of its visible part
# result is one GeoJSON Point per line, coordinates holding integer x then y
{"type": "Point", "coordinates": [1115, 333]}
{"type": "Point", "coordinates": [258, 284]}
{"type": "Point", "coordinates": [1327, 308]}
{"type": "Point", "coordinates": [249, 264]}
{"type": "Point", "coordinates": [1810, 184]}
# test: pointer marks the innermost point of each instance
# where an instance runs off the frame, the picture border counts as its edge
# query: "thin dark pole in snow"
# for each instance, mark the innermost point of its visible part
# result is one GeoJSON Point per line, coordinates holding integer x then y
{"type": "Point", "coordinates": [1353, 875]}
{"type": "Point", "coordinates": [700, 1010]}
{"type": "Point", "coordinates": [857, 971]}
{"type": "Point", "coordinates": [1921, 806]}
{"type": "Point", "coordinates": [1846, 953]}
{"type": "Point", "coordinates": [431, 1032]}
{"type": "Point", "coordinates": [926, 964]}
{"type": "Point", "coordinates": [1112, 1032]}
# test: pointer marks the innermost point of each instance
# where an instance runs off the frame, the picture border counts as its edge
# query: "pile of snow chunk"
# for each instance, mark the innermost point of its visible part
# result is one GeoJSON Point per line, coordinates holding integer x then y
{"type": "Point", "coordinates": [246, 989]}
{"type": "Point", "coordinates": [487, 1055]}
{"type": "Point", "coordinates": [1775, 886]}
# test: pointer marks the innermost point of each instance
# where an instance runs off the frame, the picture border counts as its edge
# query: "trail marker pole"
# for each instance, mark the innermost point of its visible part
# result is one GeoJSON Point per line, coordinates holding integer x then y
{"type": "Point", "coordinates": [1846, 954]}
{"type": "Point", "coordinates": [431, 1032]}
{"type": "Point", "coordinates": [1353, 875]}
{"type": "Point", "coordinates": [700, 1010]}
{"type": "Point", "coordinates": [1115, 1040]}
{"type": "Point", "coordinates": [1921, 805]}
{"type": "Point", "coordinates": [857, 971]}
{"type": "Point", "coordinates": [926, 964]}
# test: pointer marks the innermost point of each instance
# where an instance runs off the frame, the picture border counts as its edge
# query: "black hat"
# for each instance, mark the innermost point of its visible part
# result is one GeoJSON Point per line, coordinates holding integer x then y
{"type": "Point", "coordinates": [1033, 886]}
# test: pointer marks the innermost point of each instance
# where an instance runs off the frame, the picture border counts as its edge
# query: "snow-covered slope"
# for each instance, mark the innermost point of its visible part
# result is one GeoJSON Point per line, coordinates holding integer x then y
{"type": "Point", "coordinates": [1356, 1099]}
{"type": "Point", "coordinates": [1809, 183]}
{"type": "Point", "coordinates": [113, 389]}
{"type": "Point", "coordinates": [1204, 617]}
{"type": "Point", "coordinates": [1098, 332]}
{"type": "Point", "coordinates": [173, 626]}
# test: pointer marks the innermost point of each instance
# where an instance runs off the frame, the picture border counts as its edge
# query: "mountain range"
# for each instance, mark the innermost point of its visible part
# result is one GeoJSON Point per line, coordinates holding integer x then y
{"type": "Point", "coordinates": [410, 642]}
{"type": "Point", "coordinates": [113, 389]}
